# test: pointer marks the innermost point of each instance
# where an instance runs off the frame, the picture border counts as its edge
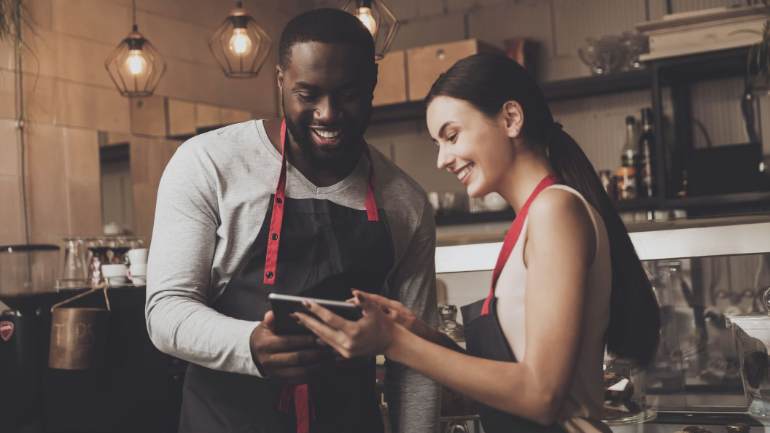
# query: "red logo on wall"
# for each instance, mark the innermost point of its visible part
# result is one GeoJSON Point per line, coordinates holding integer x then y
{"type": "Point", "coordinates": [6, 330]}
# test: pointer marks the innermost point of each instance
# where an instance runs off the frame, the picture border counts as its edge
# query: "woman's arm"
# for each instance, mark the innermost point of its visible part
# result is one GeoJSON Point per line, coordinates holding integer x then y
{"type": "Point", "coordinates": [558, 254]}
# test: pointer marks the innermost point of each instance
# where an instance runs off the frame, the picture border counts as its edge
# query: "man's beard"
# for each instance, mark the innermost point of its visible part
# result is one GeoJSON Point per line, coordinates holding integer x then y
{"type": "Point", "coordinates": [325, 158]}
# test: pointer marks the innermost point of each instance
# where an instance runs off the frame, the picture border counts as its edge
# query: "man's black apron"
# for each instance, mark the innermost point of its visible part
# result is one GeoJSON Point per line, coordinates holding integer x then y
{"type": "Point", "coordinates": [484, 337]}
{"type": "Point", "coordinates": [325, 251]}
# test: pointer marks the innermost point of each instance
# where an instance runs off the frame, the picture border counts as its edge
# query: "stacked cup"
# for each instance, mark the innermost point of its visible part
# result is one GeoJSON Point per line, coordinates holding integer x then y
{"type": "Point", "coordinates": [137, 258]}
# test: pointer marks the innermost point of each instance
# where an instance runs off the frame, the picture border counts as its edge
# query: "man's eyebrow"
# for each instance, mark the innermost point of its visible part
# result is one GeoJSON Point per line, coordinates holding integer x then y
{"type": "Point", "coordinates": [305, 85]}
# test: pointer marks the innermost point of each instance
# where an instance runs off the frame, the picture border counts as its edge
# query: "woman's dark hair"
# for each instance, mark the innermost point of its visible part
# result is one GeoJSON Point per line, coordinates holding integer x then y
{"type": "Point", "coordinates": [487, 82]}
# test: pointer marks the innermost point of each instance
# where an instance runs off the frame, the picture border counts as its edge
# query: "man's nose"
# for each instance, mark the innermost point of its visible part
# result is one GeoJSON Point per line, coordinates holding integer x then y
{"type": "Point", "coordinates": [326, 110]}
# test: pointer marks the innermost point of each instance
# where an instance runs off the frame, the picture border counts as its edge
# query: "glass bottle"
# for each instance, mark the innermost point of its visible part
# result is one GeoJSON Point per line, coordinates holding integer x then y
{"type": "Point", "coordinates": [449, 325]}
{"type": "Point", "coordinates": [629, 155]}
{"type": "Point", "coordinates": [680, 337]}
{"type": "Point", "coordinates": [647, 150]}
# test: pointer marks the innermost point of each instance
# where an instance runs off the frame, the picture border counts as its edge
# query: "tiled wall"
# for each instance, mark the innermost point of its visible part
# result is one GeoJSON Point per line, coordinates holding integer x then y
{"type": "Point", "coordinates": [69, 97]}
{"type": "Point", "coordinates": [559, 27]}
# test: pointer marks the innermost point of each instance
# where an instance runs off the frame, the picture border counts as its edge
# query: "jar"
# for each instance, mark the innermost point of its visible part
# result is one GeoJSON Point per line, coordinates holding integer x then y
{"type": "Point", "coordinates": [625, 181]}
{"type": "Point", "coordinates": [625, 397]}
{"type": "Point", "coordinates": [752, 336]}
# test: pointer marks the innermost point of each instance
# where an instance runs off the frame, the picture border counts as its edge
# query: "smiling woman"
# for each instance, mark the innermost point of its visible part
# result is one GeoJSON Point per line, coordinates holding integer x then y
{"type": "Point", "coordinates": [536, 343]}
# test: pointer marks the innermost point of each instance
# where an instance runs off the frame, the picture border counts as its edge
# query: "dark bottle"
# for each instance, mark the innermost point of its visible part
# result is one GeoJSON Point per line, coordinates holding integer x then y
{"type": "Point", "coordinates": [629, 155]}
{"type": "Point", "coordinates": [647, 153]}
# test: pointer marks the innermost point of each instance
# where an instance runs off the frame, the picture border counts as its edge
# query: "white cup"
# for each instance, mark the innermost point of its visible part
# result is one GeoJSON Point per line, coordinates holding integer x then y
{"type": "Point", "coordinates": [137, 256]}
{"type": "Point", "coordinates": [138, 268]}
{"type": "Point", "coordinates": [116, 275]}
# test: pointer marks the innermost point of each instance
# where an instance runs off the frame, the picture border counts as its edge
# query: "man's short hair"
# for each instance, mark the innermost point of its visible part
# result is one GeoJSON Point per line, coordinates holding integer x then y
{"type": "Point", "coordinates": [327, 25]}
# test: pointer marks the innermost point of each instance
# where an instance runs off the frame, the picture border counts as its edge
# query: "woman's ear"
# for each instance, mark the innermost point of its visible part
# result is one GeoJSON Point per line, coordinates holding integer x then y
{"type": "Point", "coordinates": [513, 116]}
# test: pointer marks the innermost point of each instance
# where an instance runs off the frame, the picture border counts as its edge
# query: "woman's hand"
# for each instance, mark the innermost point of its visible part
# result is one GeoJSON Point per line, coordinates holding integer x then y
{"type": "Point", "coordinates": [402, 315]}
{"type": "Point", "coordinates": [370, 335]}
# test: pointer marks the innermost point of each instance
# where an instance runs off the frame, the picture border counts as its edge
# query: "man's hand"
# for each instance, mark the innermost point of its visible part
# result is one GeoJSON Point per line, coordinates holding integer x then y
{"type": "Point", "coordinates": [291, 358]}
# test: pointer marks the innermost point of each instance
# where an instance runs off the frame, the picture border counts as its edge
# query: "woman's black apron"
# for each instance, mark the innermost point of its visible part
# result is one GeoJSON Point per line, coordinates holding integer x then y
{"type": "Point", "coordinates": [325, 251]}
{"type": "Point", "coordinates": [484, 337]}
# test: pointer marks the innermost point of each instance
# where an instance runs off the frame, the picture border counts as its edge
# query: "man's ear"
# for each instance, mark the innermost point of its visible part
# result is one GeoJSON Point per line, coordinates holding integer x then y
{"type": "Point", "coordinates": [513, 116]}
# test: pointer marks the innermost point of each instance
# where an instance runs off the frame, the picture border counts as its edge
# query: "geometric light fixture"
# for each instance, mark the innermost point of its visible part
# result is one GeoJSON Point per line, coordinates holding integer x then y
{"type": "Point", "coordinates": [240, 45]}
{"type": "Point", "coordinates": [380, 21]}
{"type": "Point", "coordinates": [135, 66]}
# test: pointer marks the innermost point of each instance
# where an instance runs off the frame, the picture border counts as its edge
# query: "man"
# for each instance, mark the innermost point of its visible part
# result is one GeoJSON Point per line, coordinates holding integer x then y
{"type": "Point", "coordinates": [306, 209]}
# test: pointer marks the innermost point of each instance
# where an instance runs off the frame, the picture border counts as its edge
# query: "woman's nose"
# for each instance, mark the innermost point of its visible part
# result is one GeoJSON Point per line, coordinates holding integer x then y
{"type": "Point", "coordinates": [444, 158]}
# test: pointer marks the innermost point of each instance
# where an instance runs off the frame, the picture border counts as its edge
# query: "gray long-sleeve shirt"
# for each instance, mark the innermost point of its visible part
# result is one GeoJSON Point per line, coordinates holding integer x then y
{"type": "Point", "coordinates": [212, 201]}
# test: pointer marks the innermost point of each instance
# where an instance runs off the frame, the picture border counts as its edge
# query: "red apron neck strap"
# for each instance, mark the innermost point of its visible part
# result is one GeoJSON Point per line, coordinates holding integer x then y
{"type": "Point", "coordinates": [512, 236]}
{"type": "Point", "coordinates": [372, 213]}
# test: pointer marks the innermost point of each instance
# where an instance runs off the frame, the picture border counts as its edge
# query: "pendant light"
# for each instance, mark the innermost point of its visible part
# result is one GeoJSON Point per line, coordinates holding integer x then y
{"type": "Point", "coordinates": [240, 45]}
{"type": "Point", "coordinates": [135, 66]}
{"type": "Point", "coordinates": [378, 19]}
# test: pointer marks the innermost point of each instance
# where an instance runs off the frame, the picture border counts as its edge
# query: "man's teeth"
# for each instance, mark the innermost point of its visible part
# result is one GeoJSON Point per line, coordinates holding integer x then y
{"type": "Point", "coordinates": [327, 133]}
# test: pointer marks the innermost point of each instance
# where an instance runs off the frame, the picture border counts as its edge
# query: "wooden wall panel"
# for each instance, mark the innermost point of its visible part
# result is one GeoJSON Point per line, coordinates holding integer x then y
{"type": "Point", "coordinates": [148, 160]}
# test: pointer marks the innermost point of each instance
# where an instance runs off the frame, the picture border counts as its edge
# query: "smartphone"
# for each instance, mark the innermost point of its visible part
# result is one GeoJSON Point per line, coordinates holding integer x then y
{"type": "Point", "coordinates": [284, 305]}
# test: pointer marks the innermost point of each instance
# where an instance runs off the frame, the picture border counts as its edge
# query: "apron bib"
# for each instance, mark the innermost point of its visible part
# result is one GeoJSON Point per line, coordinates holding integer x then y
{"type": "Point", "coordinates": [325, 251]}
{"type": "Point", "coordinates": [484, 337]}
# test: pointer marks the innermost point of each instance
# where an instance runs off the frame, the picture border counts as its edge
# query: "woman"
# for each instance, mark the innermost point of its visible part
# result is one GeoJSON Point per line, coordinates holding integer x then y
{"type": "Point", "coordinates": [567, 284]}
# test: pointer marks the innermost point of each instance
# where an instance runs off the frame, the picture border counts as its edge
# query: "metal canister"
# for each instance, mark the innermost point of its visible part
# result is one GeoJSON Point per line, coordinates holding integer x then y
{"type": "Point", "coordinates": [78, 334]}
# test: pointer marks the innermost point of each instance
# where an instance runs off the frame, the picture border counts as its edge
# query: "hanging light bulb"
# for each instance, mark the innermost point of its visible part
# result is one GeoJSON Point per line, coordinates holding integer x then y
{"type": "Point", "coordinates": [240, 42]}
{"type": "Point", "coordinates": [378, 19]}
{"type": "Point", "coordinates": [364, 14]}
{"type": "Point", "coordinates": [240, 45]}
{"type": "Point", "coordinates": [135, 62]}
{"type": "Point", "coordinates": [135, 66]}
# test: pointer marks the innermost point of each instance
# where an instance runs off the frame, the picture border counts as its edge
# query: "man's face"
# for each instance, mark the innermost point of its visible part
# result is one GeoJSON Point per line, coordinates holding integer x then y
{"type": "Point", "coordinates": [327, 99]}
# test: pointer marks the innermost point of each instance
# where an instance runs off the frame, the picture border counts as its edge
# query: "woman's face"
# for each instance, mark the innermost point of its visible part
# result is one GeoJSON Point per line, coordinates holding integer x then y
{"type": "Point", "coordinates": [475, 148]}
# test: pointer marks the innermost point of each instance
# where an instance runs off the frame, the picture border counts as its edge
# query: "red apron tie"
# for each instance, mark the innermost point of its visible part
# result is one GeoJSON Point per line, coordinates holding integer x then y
{"type": "Point", "coordinates": [300, 394]}
{"type": "Point", "coordinates": [512, 236]}
{"type": "Point", "coordinates": [303, 405]}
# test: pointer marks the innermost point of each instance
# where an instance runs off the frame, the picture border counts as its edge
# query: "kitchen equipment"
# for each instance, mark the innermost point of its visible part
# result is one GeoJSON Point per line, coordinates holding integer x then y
{"type": "Point", "coordinates": [625, 398]}
{"type": "Point", "coordinates": [115, 275]}
{"type": "Point", "coordinates": [27, 268]}
{"type": "Point", "coordinates": [20, 369]}
{"type": "Point", "coordinates": [449, 325]}
{"type": "Point", "coordinates": [137, 256]}
{"type": "Point", "coordinates": [74, 271]}
{"type": "Point", "coordinates": [742, 161]}
{"type": "Point", "coordinates": [752, 334]}
{"type": "Point", "coordinates": [79, 334]}
{"type": "Point", "coordinates": [635, 44]}
{"type": "Point", "coordinates": [108, 250]}
{"type": "Point", "coordinates": [605, 55]}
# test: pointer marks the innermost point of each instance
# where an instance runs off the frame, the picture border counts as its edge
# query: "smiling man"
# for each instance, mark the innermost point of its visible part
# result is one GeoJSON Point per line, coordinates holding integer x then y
{"type": "Point", "coordinates": [300, 206]}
